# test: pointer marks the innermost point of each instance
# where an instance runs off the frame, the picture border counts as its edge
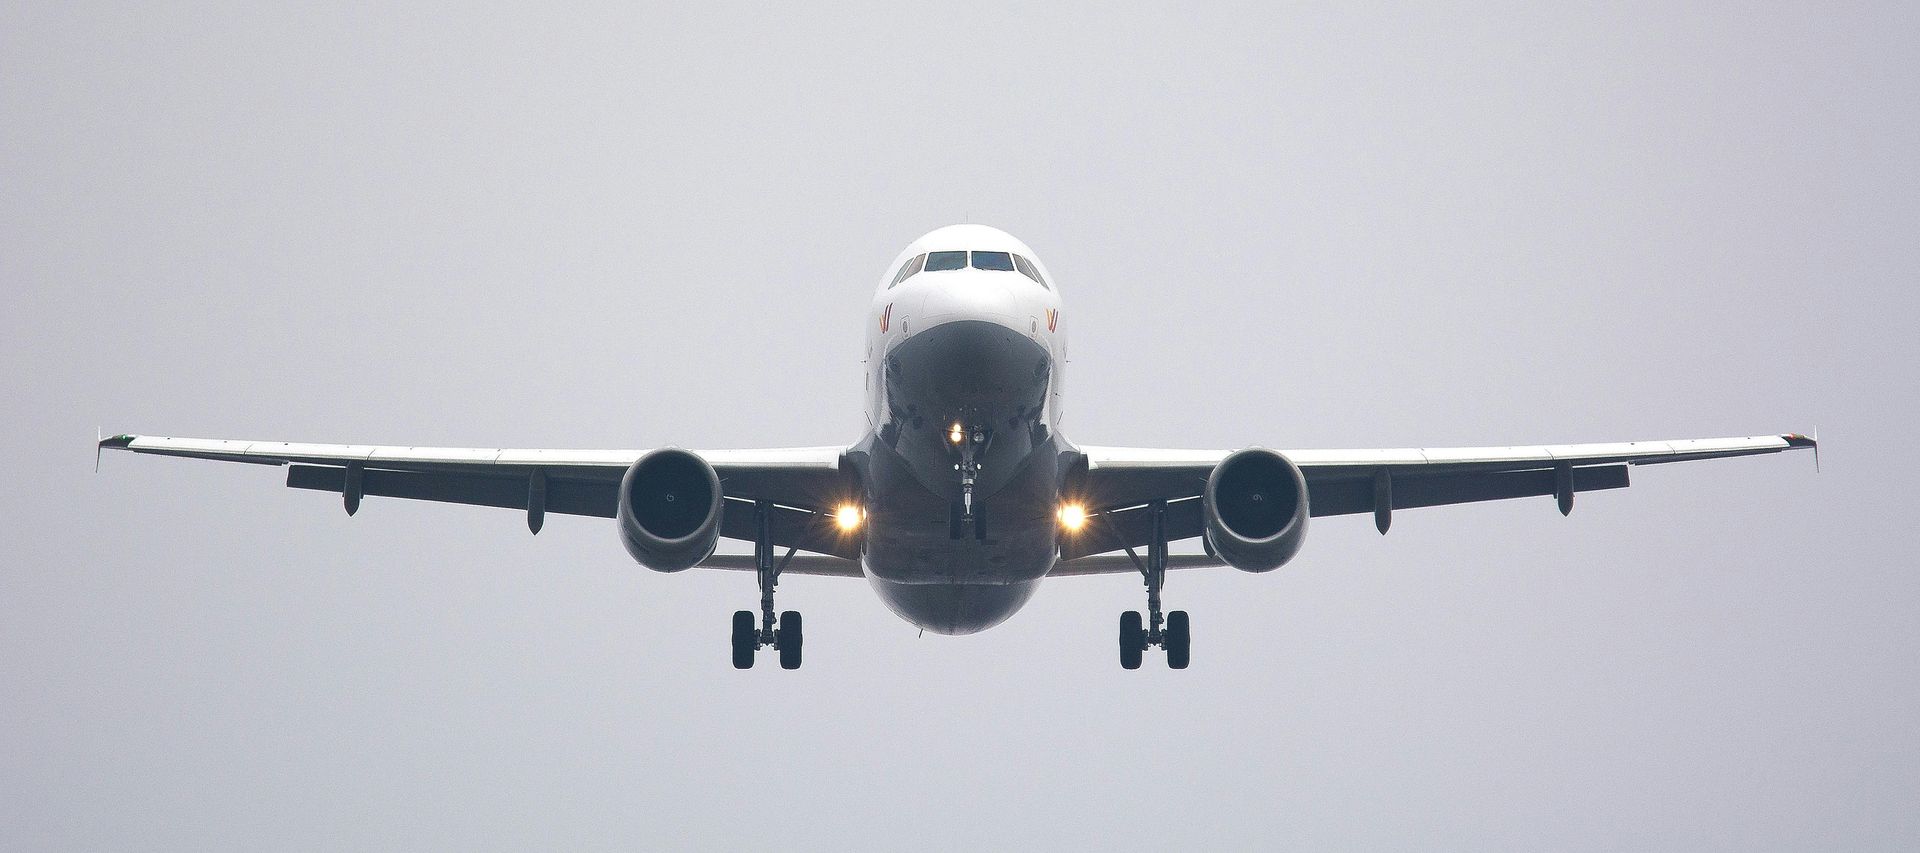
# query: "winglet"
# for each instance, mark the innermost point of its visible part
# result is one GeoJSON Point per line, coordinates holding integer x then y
{"type": "Point", "coordinates": [100, 444]}
{"type": "Point", "coordinates": [1798, 440]}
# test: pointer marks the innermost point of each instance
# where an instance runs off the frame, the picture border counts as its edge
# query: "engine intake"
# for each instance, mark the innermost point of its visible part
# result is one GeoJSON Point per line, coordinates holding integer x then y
{"type": "Point", "coordinates": [670, 506]}
{"type": "Point", "coordinates": [1255, 506]}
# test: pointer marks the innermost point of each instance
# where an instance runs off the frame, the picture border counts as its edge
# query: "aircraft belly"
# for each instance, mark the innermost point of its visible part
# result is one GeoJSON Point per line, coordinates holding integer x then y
{"type": "Point", "coordinates": [911, 531]}
{"type": "Point", "coordinates": [931, 557]}
{"type": "Point", "coordinates": [953, 608]}
{"type": "Point", "coordinates": [959, 585]}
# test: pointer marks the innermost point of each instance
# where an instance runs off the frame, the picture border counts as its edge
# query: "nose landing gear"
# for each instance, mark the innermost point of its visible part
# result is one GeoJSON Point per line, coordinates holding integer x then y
{"type": "Point", "coordinates": [970, 443]}
{"type": "Point", "coordinates": [1170, 632]}
{"type": "Point", "coordinates": [784, 633]}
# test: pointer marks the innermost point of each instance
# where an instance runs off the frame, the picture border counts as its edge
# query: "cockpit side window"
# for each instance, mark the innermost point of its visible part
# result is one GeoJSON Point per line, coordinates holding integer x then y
{"type": "Point", "coordinates": [943, 261]}
{"type": "Point", "coordinates": [908, 269]}
{"type": "Point", "coordinates": [1029, 270]}
{"type": "Point", "coordinates": [998, 261]}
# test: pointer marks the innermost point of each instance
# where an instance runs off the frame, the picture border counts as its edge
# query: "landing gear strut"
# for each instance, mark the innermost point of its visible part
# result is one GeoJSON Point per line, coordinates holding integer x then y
{"type": "Point", "coordinates": [1169, 632]}
{"type": "Point", "coordinates": [784, 633]}
{"type": "Point", "coordinates": [970, 443]}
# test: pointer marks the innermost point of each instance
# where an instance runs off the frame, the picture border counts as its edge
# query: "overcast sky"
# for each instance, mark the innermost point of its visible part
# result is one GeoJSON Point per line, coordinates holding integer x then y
{"type": "Point", "coordinates": [619, 227]}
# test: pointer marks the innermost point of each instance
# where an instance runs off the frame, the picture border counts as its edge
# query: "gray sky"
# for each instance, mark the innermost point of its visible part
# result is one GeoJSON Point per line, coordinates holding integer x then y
{"type": "Point", "coordinates": [617, 227]}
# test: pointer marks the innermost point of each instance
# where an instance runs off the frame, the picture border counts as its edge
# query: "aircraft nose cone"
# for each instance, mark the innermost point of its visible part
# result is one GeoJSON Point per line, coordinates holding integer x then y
{"type": "Point", "coordinates": [970, 295]}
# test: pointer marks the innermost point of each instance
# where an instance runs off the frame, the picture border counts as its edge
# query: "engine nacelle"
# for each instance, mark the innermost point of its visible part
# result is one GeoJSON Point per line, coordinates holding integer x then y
{"type": "Point", "coordinates": [670, 506]}
{"type": "Point", "coordinates": [1256, 510]}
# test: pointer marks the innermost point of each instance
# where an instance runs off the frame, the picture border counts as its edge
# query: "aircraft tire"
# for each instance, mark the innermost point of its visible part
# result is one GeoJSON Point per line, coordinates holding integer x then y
{"type": "Point", "coordinates": [744, 639]}
{"type": "Point", "coordinates": [1133, 639]}
{"type": "Point", "coordinates": [790, 639]}
{"type": "Point", "coordinates": [1179, 640]}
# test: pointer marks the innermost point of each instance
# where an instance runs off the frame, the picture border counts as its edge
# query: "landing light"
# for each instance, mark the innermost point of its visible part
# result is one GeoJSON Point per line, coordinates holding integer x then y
{"type": "Point", "coordinates": [1073, 516]}
{"type": "Point", "coordinates": [956, 434]}
{"type": "Point", "coordinates": [848, 517]}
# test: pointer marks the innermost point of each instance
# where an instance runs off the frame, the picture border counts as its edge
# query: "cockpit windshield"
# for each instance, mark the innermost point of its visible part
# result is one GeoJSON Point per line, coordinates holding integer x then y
{"type": "Point", "coordinates": [942, 261]}
{"type": "Point", "coordinates": [1000, 261]}
{"type": "Point", "coordinates": [1028, 269]}
{"type": "Point", "coordinates": [949, 261]}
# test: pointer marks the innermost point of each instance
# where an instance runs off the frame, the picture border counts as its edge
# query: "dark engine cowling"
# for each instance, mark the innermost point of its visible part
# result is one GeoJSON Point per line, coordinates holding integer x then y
{"type": "Point", "coordinates": [1256, 510]}
{"type": "Point", "coordinates": [670, 505]}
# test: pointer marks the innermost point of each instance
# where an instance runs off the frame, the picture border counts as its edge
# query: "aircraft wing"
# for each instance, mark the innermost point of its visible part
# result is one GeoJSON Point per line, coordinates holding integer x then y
{"type": "Point", "coordinates": [842, 567]}
{"type": "Point", "coordinates": [804, 483]}
{"type": "Point", "coordinates": [1119, 480]}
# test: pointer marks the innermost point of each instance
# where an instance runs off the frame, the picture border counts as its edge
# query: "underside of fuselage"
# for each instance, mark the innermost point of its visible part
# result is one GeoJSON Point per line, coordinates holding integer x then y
{"type": "Point", "coordinates": [940, 561]}
{"type": "Point", "coordinates": [954, 608]}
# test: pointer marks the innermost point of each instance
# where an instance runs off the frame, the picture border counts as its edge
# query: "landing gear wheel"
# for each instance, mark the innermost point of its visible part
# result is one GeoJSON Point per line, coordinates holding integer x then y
{"type": "Point", "coordinates": [1133, 639]}
{"type": "Point", "coordinates": [1179, 641]}
{"type": "Point", "coordinates": [789, 640]}
{"type": "Point", "coordinates": [746, 638]}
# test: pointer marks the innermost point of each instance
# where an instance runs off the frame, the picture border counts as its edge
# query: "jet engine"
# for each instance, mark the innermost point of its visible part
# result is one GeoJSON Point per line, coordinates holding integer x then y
{"type": "Point", "coordinates": [670, 505]}
{"type": "Point", "coordinates": [1255, 507]}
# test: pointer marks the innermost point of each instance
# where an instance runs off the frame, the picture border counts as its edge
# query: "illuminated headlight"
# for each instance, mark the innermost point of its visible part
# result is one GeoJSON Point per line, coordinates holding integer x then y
{"type": "Point", "coordinates": [848, 516]}
{"type": "Point", "coordinates": [956, 434]}
{"type": "Point", "coordinates": [1073, 516]}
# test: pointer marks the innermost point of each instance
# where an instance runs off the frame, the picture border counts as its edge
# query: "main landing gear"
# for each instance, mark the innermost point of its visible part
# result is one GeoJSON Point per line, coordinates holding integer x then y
{"type": "Point", "coordinates": [783, 634]}
{"type": "Point", "coordinates": [1171, 632]}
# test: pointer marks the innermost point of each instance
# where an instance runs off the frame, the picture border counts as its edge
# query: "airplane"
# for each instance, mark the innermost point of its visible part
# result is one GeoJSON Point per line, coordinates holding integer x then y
{"type": "Point", "coordinates": [963, 494]}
